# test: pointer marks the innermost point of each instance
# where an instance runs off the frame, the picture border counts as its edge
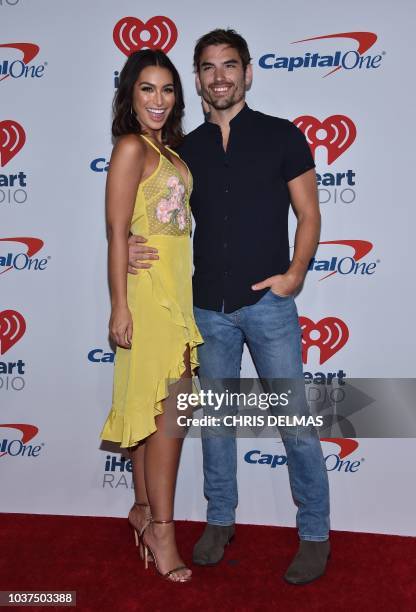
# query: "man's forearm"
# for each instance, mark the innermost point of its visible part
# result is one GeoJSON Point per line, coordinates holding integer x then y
{"type": "Point", "coordinates": [306, 242]}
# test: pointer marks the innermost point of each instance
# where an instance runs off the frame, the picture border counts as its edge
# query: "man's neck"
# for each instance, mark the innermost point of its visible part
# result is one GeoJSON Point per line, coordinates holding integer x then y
{"type": "Point", "coordinates": [222, 117]}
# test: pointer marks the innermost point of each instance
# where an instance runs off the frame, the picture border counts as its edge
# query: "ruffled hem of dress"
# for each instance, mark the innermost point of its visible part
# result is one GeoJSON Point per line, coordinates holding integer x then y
{"type": "Point", "coordinates": [118, 428]}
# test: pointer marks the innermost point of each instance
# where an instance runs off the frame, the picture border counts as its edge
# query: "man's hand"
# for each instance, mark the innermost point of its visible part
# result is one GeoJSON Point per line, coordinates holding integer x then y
{"type": "Point", "coordinates": [283, 285]}
{"type": "Point", "coordinates": [140, 254]}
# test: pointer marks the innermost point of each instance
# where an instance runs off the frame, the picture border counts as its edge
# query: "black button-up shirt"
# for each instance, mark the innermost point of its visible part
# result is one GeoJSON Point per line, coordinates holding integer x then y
{"type": "Point", "coordinates": [240, 204]}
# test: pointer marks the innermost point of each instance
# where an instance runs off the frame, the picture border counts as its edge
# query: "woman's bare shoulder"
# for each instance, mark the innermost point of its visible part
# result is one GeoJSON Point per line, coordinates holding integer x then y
{"type": "Point", "coordinates": [130, 145]}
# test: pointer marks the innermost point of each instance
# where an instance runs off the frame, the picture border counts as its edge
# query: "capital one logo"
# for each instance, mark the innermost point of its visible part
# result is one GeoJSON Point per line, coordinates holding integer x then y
{"type": "Point", "coordinates": [131, 34]}
{"type": "Point", "coordinates": [12, 139]}
{"type": "Point", "coordinates": [353, 58]}
{"type": "Point", "coordinates": [346, 445]}
{"type": "Point", "coordinates": [12, 328]}
{"type": "Point", "coordinates": [18, 254]}
{"type": "Point", "coordinates": [19, 66]}
{"type": "Point", "coordinates": [19, 446]}
{"type": "Point", "coordinates": [329, 335]}
{"type": "Point", "coordinates": [334, 462]}
{"type": "Point", "coordinates": [349, 264]}
{"type": "Point", "coordinates": [336, 133]}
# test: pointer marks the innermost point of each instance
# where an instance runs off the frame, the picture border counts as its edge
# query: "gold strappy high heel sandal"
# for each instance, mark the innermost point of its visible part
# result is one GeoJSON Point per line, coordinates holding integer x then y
{"type": "Point", "coordinates": [138, 532]}
{"type": "Point", "coordinates": [148, 551]}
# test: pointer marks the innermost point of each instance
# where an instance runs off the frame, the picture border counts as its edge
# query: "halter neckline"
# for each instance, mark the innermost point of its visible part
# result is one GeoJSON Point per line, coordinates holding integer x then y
{"type": "Point", "coordinates": [187, 183]}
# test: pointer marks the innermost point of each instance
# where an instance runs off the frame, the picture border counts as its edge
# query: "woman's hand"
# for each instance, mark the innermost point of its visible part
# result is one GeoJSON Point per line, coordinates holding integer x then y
{"type": "Point", "coordinates": [121, 326]}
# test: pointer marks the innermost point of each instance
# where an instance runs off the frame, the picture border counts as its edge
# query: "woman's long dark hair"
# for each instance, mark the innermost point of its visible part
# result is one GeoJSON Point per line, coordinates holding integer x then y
{"type": "Point", "coordinates": [124, 121]}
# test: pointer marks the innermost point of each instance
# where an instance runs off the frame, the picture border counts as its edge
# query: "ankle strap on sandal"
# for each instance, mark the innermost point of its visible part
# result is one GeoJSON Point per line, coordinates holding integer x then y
{"type": "Point", "coordinates": [141, 504]}
{"type": "Point", "coordinates": [161, 522]}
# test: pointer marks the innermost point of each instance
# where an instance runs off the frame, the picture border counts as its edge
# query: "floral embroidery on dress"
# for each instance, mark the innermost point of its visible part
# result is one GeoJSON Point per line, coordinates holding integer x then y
{"type": "Point", "coordinates": [172, 208]}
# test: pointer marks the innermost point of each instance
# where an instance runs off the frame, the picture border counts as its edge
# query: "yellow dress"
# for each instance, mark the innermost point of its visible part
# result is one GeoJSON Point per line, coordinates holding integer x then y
{"type": "Point", "coordinates": [160, 302]}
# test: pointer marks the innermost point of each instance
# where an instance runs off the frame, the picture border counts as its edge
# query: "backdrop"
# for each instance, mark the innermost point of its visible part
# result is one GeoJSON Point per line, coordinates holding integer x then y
{"type": "Point", "coordinates": [341, 74]}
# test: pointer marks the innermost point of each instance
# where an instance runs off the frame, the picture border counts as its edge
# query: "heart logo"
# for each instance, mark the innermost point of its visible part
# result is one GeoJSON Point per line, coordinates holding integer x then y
{"type": "Point", "coordinates": [131, 34]}
{"type": "Point", "coordinates": [12, 328]}
{"type": "Point", "coordinates": [330, 334]}
{"type": "Point", "coordinates": [337, 133]}
{"type": "Point", "coordinates": [12, 139]}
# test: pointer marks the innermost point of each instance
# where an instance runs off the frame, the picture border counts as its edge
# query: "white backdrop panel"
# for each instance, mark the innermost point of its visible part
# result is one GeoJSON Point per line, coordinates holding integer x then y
{"type": "Point", "coordinates": [66, 116]}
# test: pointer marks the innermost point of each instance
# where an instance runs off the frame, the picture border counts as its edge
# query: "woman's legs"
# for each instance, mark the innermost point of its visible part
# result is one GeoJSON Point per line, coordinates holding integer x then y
{"type": "Point", "coordinates": [139, 515]}
{"type": "Point", "coordinates": [155, 468]}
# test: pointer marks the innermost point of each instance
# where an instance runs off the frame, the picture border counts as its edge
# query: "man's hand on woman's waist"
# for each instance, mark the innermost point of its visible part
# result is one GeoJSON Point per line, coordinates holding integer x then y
{"type": "Point", "coordinates": [140, 254]}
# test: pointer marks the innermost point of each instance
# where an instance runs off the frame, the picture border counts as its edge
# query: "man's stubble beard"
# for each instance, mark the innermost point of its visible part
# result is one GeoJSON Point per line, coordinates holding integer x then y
{"type": "Point", "coordinates": [226, 103]}
{"type": "Point", "coordinates": [222, 104]}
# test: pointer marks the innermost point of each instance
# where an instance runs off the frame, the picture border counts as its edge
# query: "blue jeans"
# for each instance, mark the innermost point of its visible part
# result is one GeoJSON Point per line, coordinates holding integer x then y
{"type": "Point", "coordinates": [271, 330]}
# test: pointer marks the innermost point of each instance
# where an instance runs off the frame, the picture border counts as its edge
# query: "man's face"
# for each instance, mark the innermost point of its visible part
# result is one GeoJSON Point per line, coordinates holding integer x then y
{"type": "Point", "coordinates": [221, 79]}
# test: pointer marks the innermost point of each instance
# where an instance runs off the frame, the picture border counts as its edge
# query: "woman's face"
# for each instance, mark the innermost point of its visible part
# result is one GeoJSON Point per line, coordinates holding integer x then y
{"type": "Point", "coordinates": [153, 97]}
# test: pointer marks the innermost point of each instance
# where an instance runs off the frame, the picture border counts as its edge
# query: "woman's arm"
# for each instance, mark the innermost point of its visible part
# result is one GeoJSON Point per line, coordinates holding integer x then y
{"type": "Point", "coordinates": [124, 175]}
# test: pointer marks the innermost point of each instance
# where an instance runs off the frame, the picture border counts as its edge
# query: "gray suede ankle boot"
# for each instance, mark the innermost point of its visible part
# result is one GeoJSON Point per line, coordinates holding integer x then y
{"type": "Point", "coordinates": [209, 549]}
{"type": "Point", "coordinates": [309, 562]}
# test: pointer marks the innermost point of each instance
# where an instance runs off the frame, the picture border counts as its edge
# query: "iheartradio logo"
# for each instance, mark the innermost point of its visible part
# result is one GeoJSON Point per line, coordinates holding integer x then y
{"type": "Point", "coordinates": [12, 328]}
{"type": "Point", "coordinates": [329, 335]}
{"type": "Point", "coordinates": [131, 34]}
{"type": "Point", "coordinates": [12, 139]}
{"type": "Point", "coordinates": [336, 133]}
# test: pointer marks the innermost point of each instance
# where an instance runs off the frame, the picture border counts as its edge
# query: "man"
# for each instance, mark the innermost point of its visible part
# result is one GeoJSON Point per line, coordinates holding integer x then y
{"type": "Point", "coordinates": [248, 168]}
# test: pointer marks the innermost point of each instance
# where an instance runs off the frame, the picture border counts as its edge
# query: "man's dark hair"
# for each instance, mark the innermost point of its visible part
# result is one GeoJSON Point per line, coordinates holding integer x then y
{"type": "Point", "coordinates": [124, 120]}
{"type": "Point", "coordinates": [222, 37]}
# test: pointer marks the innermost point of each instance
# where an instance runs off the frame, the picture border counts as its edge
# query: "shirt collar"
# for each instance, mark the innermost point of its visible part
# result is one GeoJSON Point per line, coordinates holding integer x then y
{"type": "Point", "coordinates": [241, 116]}
{"type": "Point", "coordinates": [238, 120]}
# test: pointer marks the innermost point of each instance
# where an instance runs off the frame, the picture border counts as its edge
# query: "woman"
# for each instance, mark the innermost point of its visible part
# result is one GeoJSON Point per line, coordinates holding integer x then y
{"type": "Point", "coordinates": [148, 189]}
